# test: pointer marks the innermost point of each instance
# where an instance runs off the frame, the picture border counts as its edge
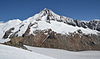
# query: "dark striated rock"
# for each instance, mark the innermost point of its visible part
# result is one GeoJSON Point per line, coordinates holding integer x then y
{"type": "Point", "coordinates": [7, 33]}
{"type": "Point", "coordinates": [94, 25]}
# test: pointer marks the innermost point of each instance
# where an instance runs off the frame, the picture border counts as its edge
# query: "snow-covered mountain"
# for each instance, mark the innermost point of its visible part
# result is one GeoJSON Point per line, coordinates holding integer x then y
{"type": "Point", "coordinates": [47, 19]}
{"type": "Point", "coordinates": [49, 24]}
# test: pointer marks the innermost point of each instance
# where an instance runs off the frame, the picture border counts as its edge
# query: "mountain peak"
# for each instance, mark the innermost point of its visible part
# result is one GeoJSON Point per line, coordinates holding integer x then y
{"type": "Point", "coordinates": [46, 11]}
{"type": "Point", "coordinates": [46, 14]}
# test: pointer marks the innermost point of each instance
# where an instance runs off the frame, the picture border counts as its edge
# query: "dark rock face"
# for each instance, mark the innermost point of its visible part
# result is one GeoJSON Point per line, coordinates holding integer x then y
{"type": "Point", "coordinates": [94, 25]}
{"type": "Point", "coordinates": [7, 33]}
{"type": "Point", "coordinates": [51, 39]}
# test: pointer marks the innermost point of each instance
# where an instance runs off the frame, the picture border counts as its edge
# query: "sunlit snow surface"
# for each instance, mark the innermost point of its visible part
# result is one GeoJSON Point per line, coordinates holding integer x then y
{"type": "Point", "coordinates": [63, 54]}
{"type": "Point", "coordinates": [63, 28]}
{"type": "Point", "coordinates": [7, 52]}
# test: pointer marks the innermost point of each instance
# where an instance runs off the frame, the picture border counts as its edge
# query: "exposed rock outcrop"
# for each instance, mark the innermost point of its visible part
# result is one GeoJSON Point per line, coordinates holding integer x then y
{"type": "Point", "coordinates": [7, 33]}
{"type": "Point", "coordinates": [50, 39]}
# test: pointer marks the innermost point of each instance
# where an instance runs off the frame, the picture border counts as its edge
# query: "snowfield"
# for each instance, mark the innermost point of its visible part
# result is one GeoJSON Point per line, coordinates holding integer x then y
{"type": "Point", "coordinates": [63, 54]}
{"type": "Point", "coordinates": [8, 52]}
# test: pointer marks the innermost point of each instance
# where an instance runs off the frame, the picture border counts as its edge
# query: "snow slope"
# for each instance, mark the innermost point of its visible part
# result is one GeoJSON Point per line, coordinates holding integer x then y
{"type": "Point", "coordinates": [63, 28]}
{"type": "Point", "coordinates": [63, 54]}
{"type": "Point", "coordinates": [8, 52]}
